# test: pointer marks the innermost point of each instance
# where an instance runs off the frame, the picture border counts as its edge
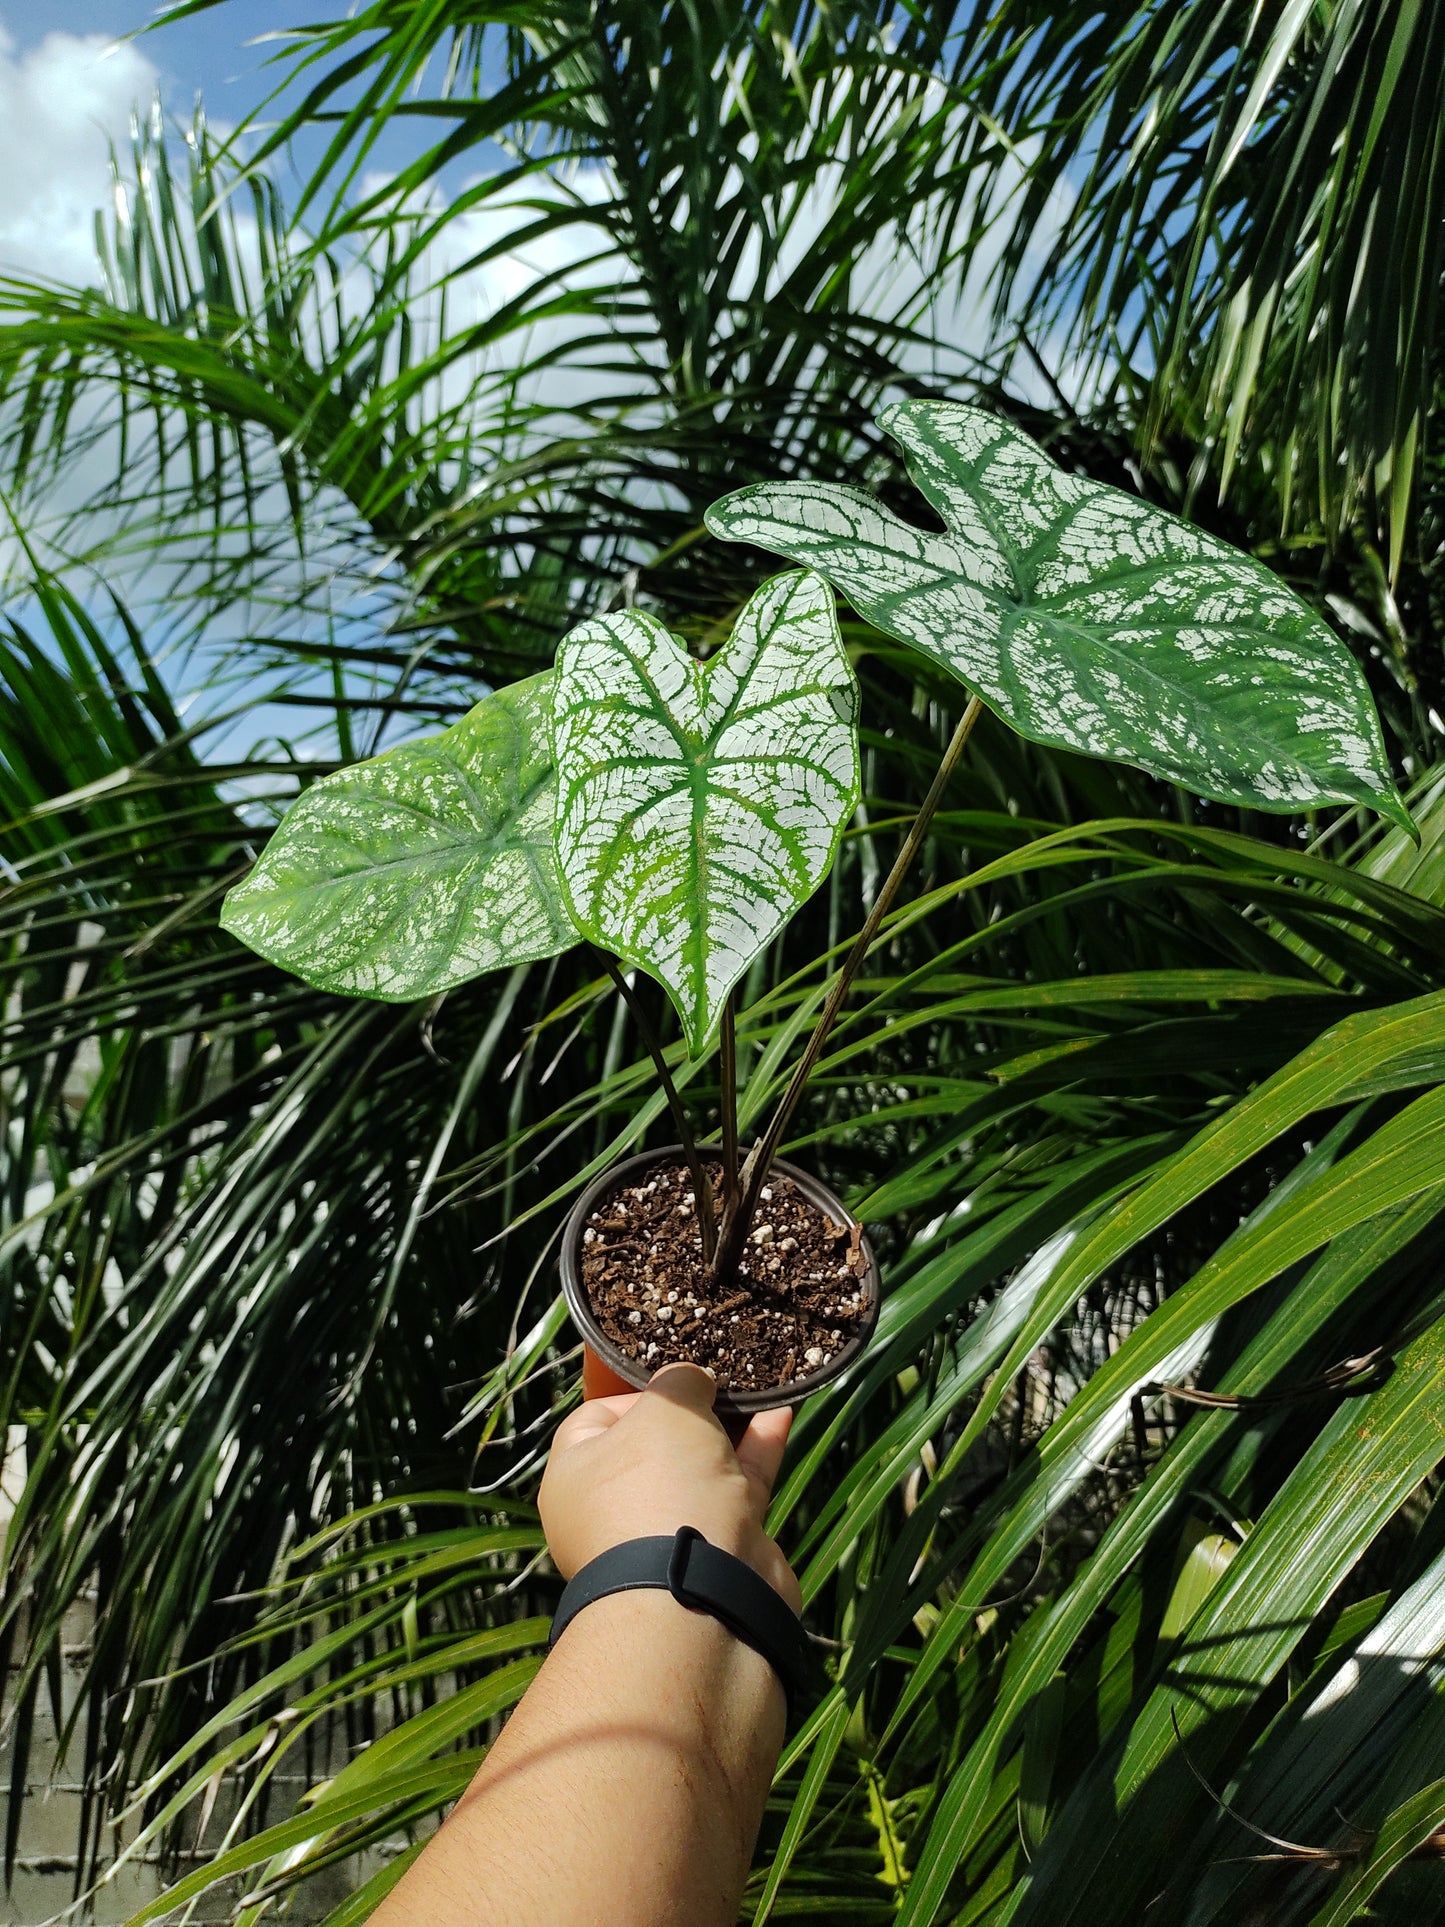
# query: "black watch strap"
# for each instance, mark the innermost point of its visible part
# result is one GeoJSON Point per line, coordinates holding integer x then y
{"type": "Point", "coordinates": [706, 1579]}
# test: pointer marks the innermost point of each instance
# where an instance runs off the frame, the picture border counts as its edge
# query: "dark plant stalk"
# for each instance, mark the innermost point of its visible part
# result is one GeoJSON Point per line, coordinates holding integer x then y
{"type": "Point", "coordinates": [734, 1228]}
{"type": "Point", "coordinates": [728, 1106]}
{"type": "Point", "coordinates": [706, 1215]}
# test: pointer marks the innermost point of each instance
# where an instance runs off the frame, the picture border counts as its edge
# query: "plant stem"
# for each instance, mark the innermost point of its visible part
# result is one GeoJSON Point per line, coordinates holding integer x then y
{"type": "Point", "coordinates": [706, 1216]}
{"type": "Point", "coordinates": [728, 1106]}
{"type": "Point", "coordinates": [734, 1227]}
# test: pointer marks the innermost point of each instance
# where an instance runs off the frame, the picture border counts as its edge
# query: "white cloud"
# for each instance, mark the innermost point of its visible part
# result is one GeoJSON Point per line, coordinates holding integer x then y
{"type": "Point", "coordinates": [61, 103]}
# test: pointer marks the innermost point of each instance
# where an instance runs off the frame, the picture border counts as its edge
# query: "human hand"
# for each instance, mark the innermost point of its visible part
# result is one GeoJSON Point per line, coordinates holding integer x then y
{"type": "Point", "coordinates": [643, 1465]}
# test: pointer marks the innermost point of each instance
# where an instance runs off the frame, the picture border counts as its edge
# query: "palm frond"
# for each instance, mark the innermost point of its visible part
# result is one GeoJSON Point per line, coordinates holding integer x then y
{"type": "Point", "coordinates": [1256, 218]}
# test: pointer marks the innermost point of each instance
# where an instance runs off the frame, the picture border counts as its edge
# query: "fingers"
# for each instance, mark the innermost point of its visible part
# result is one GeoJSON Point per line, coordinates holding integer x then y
{"type": "Point", "coordinates": [688, 1386]}
{"type": "Point", "coordinates": [593, 1417]}
{"type": "Point", "coordinates": [760, 1449]}
{"type": "Point", "coordinates": [691, 1389]}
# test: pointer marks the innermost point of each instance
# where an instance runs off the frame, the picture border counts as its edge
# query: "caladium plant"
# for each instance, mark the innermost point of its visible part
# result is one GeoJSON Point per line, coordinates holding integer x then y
{"type": "Point", "coordinates": [675, 812]}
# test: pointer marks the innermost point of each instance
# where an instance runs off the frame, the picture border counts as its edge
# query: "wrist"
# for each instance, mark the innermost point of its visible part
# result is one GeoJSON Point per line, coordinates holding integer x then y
{"type": "Point", "coordinates": [681, 1687]}
{"type": "Point", "coordinates": [701, 1578]}
{"type": "Point", "coordinates": [740, 1536]}
{"type": "Point", "coordinates": [655, 1627]}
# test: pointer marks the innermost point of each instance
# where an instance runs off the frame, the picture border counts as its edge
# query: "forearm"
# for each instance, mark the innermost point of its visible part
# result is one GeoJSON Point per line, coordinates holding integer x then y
{"type": "Point", "coordinates": [626, 1790]}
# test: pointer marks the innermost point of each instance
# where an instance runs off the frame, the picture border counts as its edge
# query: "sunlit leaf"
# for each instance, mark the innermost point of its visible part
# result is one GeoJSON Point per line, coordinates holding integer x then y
{"type": "Point", "coordinates": [1087, 618]}
{"type": "Point", "coordinates": [1369, 1456]}
{"type": "Point", "coordinates": [1365, 1725]}
{"type": "Point", "coordinates": [406, 875]}
{"type": "Point", "coordinates": [700, 803]}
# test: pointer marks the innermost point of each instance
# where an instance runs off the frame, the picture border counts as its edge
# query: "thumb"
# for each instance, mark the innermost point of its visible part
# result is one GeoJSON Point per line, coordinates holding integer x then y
{"type": "Point", "coordinates": [686, 1385]}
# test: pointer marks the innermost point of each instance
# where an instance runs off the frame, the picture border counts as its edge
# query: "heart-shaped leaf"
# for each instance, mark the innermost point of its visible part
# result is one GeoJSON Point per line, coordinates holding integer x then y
{"type": "Point", "coordinates": [700, 803]}
{"type": "Point", "coordinates": [1089, 619]}
{"type": "Point", "coordinates": [401, 877]}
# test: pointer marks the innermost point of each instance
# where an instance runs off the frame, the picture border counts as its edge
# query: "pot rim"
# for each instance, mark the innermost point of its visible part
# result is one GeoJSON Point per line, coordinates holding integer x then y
{"type": "Point", "coordinates": [766, 1398]}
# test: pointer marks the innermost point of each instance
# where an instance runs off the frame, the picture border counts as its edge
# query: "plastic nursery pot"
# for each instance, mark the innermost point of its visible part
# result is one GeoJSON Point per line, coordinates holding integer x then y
{"type": "Point", "coordinates": [606, 1369]}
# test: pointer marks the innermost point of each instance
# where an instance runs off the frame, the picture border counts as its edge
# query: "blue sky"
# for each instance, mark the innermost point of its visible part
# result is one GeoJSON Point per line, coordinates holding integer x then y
{"type": "Point", "coordinates": [226, 54]}
{"type": "Point", "coordinates": [206, 54]}
{"type": "Point", "coordinates": [70, 79]}
{"type": "Point", "coordinates": [70, 82]}
{"type": "Point", "coordinates": [67, 93]}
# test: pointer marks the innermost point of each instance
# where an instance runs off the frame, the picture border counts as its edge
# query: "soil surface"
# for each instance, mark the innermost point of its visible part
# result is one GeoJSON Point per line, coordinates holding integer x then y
{"type": "Point", "coordinates": [798, 1299]}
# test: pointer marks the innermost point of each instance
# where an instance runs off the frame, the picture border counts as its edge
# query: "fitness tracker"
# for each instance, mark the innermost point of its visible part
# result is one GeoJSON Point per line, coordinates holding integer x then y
{"type": "Point", "coordinates": [703, 1578]}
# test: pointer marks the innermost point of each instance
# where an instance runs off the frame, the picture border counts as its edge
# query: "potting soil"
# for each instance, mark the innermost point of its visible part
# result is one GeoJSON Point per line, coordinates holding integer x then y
{"type": "Point", "coordinates": [798, 1298]}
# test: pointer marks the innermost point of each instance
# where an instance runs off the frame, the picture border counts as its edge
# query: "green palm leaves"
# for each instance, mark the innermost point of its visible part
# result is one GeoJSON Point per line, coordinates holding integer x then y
{"type": "Point", "coordinates": [1089, 619]}
{"type": "Point", "coordinates": [701, 803]}
{"type": "Point", "coordinates": [401, 877]}
{"type": "Point", "coordinates": [698, 805]}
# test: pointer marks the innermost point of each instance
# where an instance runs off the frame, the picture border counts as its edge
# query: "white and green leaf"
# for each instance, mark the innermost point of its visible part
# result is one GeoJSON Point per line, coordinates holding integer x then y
{"type": "Point", "coordinates": [700, 803]}
{"type": "Point", "coordinates": [1089, 619]}
{"type": "Point", "coordinates": [408, 874]}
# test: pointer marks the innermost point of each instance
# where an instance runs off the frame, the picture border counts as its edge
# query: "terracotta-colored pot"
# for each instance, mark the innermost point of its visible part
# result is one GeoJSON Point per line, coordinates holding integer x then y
{"type": "Point", "coordinates": [598, 1378]}
{"type": "Point", "coordinates": [606, 1369]}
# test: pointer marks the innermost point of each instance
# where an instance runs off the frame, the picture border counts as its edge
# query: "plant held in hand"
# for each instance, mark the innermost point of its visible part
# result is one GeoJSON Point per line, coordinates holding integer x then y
{"type": "Point", "coordinates": [675, 812]}
{"type": "Point", "coordinates": [671, 811]}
